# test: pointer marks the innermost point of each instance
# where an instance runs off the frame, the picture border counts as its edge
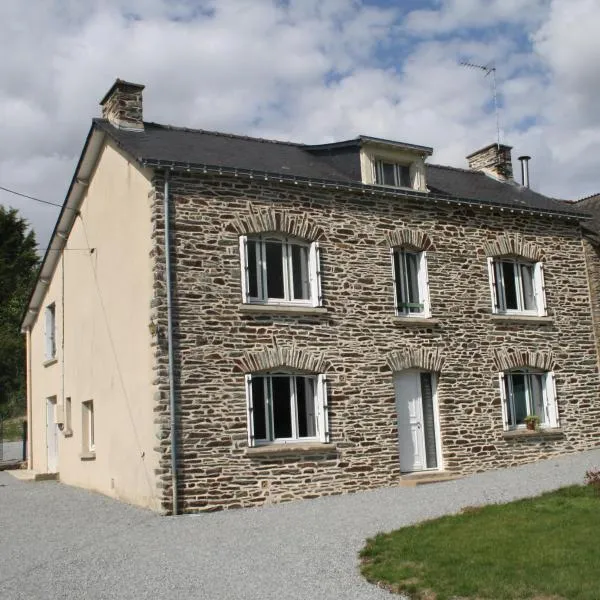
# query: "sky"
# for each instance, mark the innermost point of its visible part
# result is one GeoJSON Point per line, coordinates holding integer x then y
{"type": "Point", "coordinates": [309, 71]}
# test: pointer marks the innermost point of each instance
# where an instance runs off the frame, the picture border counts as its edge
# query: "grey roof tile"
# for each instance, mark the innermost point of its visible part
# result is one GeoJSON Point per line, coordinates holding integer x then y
{"type": "Point", "coordinates": [334, 162]}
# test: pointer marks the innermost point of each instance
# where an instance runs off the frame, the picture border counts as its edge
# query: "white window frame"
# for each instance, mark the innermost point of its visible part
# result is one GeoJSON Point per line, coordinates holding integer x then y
{"type": "Point", "coordinates": [320, 410]}
{"type": "Point", "coordinates": [313, 275]}
{"type": "Point", "coordinates": [50, 332]}
{"type": "Point", "coordinates": [398, 166]}
{"type": "Point", "coordinates": [497, 286]}
{"type": "Point", "coordinates": [88, 426]}
{"type": "Point", "coordinates": [550, 407]}
{"type": "Point", "coordinates": [422, 281]}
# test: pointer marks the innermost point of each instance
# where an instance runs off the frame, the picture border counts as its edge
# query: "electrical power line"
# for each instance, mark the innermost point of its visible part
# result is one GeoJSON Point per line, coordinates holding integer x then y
{"type": "Point", "coordinates": [29, 197]}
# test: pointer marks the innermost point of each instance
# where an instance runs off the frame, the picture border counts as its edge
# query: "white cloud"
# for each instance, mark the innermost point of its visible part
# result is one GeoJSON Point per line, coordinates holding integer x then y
{"type": "Point", "coordinates": [305, 70]}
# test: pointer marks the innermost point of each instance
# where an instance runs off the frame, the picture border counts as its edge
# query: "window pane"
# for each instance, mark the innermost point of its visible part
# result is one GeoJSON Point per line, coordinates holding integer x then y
{"type": "Point", "coordinates": [300, 272]}
{"type": "Point", "coordinates": [412, 281]}
{"type": "Point", "coordinates": [282, 411]}
{"type": "Point", "coordinates": [519, 398]}
{"type": "Point", "coordinates": [252, 249]}
{"type": "Point", "coordinates": [274, 259]}
{"type": "Point", "coordinates": [258, 401]}
{"type": "Point", "coordinates": [528, 288]}
{"type": "Point", "coordinates": [510, 289]}
{"type": "Point", "coordinates": [537, 397]}
{"type": "Point", "coordinates": [305, 402]}
{"type": "Point", "coordinates": [399, 283]}
{"type": "Point", "coordinates": [404, 173]}
{"type": "Point", "coordinates": [428, 421]}
{"type": "Point", "coordinates": [388, 174]}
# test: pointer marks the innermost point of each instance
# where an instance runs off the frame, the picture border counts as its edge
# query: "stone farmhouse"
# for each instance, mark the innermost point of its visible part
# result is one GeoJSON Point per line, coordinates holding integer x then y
{"type": "Point", "coordinates": [223, 321]}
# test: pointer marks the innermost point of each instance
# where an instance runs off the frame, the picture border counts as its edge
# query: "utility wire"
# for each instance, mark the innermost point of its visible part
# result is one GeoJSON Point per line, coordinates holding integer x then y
{"type": "Point", "coordinates": [29, 197]}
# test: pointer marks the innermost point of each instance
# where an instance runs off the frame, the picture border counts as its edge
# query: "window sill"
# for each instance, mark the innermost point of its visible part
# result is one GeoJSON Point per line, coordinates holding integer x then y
{"type": "Point", "coordinates": [285, 449]}
{"type": "Point", "coordinates": [553, 432]}
{"type": "Point", "coordinates": [290, 309]}
{"type": "Point", "coordinates": [50, 361]}
{"type": "Point", "coordinates": [402, 320]}
{"type": "Point", "coordinates": [521, 319]}
{"type": "Point", "coordinates": [88, 456]}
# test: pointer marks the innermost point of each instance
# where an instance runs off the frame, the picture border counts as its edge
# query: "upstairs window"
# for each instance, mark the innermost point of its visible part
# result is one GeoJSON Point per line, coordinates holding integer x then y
{"type": "Point", "coordinates": [285, 408]}
{"type": "Point", "coordinates": [410, 282]}
{"type": "Point", "coordinates": [392, 174]}
{"type": "Point", "coordinates": [280, 270]}
{"type": "Point", "coordinates": [517, 286]}
{"type": "Point", "coordinates": [50, 332]}
{"type": "Point", "coordinates": [528, 393]}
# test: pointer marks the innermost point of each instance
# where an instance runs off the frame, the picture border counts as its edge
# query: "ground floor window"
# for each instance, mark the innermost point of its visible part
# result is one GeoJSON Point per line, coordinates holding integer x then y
{"type": "Point", "coordinates": [527, 393]}
{"type": "Point", "coordinates": [88, 433]}
{"type": "Point", "coordinates": [285, 407]}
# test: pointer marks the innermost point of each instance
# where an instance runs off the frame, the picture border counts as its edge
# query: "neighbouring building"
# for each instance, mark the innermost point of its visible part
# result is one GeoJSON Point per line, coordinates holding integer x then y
{"type": "Point", "coordinates": [324, 319]}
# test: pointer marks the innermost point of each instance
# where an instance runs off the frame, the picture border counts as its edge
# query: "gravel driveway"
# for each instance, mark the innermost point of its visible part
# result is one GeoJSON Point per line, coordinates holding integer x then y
{"type": "Point", "coordinates": [62, 542]}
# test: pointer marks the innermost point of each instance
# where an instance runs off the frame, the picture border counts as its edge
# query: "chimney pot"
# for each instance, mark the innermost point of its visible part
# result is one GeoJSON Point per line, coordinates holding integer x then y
{"type": "Point", "coordinates": [525, 170]}
{"type": "Point", "coordinates": [122, 105]}
{"type": "Point", "coordinates": [495, 160]}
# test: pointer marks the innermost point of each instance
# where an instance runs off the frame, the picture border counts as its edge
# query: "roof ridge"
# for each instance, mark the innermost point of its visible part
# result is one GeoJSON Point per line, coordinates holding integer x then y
{"type": "Point", "coordinates": [224, 134]}
{"type": "Point", "coordinates": [585, 198]}
{"type": "Point", "coordinates": [449, 167]}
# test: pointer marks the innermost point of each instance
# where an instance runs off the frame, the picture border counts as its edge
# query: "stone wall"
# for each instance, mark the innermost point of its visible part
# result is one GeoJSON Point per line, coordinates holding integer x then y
{"type": "Point", "coordinates": [358, 340]}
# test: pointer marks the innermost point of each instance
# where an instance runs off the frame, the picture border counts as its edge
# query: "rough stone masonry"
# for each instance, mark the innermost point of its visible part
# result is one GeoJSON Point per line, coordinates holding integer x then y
{"type": "Point", "coordinates": [358, 341]}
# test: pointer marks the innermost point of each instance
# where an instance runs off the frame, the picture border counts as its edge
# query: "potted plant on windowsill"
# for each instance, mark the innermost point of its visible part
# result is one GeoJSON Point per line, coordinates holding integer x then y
{"type": "Point", "coordinates": [532, 422]}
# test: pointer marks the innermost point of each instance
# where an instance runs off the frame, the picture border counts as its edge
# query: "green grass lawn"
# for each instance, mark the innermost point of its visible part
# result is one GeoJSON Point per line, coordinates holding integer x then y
{"type": "Point", "coordinates": [544, 548]}
{"type": "Point", "coordinates": [13, 429]}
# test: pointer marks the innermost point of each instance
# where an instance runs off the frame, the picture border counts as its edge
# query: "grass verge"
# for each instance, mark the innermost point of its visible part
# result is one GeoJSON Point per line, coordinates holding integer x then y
{"type": "Point", "coordinates": [543, 548]}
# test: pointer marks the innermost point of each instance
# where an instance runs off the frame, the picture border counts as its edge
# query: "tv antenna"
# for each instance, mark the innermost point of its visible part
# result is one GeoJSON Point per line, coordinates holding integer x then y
{"type": "Point", "coordinates": [489, 69]}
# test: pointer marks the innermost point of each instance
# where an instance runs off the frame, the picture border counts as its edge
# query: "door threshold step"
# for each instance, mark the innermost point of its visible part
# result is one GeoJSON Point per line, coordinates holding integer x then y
{"type": "Point", "coordinates": [414, 479]}
{"type": "Point", "coordinates": [29, 475]}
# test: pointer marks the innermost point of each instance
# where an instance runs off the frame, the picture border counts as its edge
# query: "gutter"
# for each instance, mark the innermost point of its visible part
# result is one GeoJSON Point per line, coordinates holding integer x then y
{"type": "Point", "coordinates": [433, 197]}
{"type": "Point", "coordinates": [171, 359]}
{"type": "Point", "coordinates": [68, 213]}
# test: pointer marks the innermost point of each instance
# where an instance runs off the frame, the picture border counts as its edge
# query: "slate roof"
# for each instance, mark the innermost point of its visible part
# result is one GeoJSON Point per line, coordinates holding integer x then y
{"type": "Point", "coordinates": [590, 205]}
{"type": "Point", "coordinates": [334, 163]}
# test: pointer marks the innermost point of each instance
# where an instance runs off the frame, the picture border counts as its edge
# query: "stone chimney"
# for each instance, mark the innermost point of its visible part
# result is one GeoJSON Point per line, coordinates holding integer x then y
{"type": "Point", "coordinates": [494, 160]}
{"type": "Point", "coordinates": [122, 105]}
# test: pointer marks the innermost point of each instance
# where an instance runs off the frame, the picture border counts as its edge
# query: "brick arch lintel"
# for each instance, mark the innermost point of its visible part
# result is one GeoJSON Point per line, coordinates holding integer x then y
{"type": "Point", "coordinates": [428, 359]}
{"type": "Point", "coordinates": [513, 245]}
{"type": "Point", "coordinates": [506, 359]}
{"type": "Point", "coordinates": [272, 220]}
{"type": "Point", "coordinates": [285, 358]}
{"type": "Point", "coordinates": [413, 238]}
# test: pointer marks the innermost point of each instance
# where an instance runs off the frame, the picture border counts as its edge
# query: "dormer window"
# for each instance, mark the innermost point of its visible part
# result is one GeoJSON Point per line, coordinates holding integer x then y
{"type": "Point", "coordinates": [392, 174]}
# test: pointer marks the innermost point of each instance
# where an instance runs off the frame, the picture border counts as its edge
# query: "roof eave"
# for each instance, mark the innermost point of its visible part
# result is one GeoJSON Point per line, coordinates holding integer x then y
{"type": "Point", "coordinates": [356, 186]}
{"type": "Point", "coordinates": [66, 218]}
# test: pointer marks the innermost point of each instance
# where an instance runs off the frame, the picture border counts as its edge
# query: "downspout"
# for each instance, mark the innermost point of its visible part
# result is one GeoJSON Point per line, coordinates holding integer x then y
{"type": "Point", "coordinates": [29, 398]}
{"type": "Point", "coordinates": [167, 217]}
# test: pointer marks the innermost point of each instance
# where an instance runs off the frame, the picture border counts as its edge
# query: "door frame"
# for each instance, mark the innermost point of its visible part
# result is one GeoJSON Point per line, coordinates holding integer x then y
{"type": "Point", "coordinates": [436, 416]}
{"type": "Point", "coordinates": [51, 400]}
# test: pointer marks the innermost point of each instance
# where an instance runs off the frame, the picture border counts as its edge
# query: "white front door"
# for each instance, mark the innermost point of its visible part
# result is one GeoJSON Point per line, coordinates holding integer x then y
{"type": "Point", "coordinates": [417, 421]}
{"type": "Point", "coordinates": [51, 435]}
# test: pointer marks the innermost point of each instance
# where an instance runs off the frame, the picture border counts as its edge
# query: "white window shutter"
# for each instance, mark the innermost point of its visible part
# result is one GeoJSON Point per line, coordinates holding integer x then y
{"type": "Point", "coordinates": [396, 283]}
{"type": "Point", "coordinates": [503, 400]}
{"type": "Point", "coordinates": [540, 289]}
{"type": "Point", "coordinates": [551, 404]}
{"type": "Point", "coordinates": [424, 283]}
{"type": "Point", "coordinates": [250, 410]}
{"type": "Point", "coordinates": [316, 294]}
{"type": "Point", "coordinates": [244, 267]}
{"type": "Point", "coordinates": [493, 283]}
{"type": "Point", "coordinates": [322, 409]}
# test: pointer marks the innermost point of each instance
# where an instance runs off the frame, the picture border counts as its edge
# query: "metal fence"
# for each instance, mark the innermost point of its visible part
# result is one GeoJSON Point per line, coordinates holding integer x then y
{"type": "Point", "coordinates": [13, 442]}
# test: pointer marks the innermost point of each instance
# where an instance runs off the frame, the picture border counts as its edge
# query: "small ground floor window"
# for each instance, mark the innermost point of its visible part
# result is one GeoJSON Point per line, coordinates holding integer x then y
{"type": "Point", "coordinates": [527, 393]}
{"type": "Point", "coordinates": [286, 407]}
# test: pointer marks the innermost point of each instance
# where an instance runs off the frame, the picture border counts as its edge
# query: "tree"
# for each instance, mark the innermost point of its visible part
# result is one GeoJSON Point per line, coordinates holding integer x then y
{"type": "Point", "coordinates": [18, 268]}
